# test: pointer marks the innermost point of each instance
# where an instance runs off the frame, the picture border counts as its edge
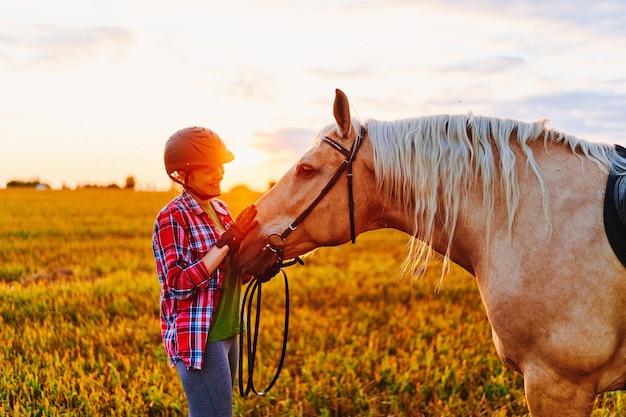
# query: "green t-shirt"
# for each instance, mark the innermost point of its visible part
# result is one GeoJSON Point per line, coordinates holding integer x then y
{"type": "Point", "coordinates": [226, 318]}
{"type": "Point", "coordinates": [225, 322]}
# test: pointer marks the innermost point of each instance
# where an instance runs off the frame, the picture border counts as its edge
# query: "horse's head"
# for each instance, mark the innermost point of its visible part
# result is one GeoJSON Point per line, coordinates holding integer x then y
{"type": "Point", "coordinates": [313, 204]}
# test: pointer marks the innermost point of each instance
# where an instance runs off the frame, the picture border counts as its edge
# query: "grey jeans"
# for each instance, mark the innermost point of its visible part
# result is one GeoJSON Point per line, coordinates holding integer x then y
{"type": "Point", "coordinates": [209, 391]}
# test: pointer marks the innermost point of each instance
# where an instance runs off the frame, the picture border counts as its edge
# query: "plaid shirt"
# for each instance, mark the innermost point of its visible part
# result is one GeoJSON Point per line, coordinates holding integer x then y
{"type": "Point", "coordinates": [183, 234]}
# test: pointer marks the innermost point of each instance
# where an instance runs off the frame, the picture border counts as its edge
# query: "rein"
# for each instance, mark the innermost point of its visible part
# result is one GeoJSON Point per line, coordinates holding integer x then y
{"type": "Point", "coordinates": [276, 243]}
{"type": "Point", "coordinates": [253, 337]}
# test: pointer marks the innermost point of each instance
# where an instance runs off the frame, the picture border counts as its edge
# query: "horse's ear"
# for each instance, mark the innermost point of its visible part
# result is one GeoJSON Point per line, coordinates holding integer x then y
{"type": "Point", "coordinates": [341, 111]}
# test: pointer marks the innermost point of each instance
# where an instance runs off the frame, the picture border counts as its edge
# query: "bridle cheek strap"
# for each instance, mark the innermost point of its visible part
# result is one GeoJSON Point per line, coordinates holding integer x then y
{"type": "Point", "coordinates": [351, 204]}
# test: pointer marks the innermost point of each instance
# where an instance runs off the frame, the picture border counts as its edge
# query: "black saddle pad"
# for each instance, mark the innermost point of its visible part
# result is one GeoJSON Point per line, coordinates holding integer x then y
{"type": "Point", "coordinates": [615, 211]}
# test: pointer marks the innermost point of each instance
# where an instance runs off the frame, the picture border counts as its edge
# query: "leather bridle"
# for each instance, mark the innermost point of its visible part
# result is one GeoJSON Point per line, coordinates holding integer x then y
{"type": "Point", "coordinates": [276, 242]}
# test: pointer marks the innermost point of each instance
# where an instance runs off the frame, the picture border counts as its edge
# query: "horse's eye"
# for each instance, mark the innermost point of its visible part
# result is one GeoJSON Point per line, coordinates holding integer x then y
{"type": "Point", "coordinates": [305, 171]}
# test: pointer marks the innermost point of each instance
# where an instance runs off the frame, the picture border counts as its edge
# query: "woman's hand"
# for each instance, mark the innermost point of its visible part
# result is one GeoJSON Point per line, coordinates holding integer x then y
{"type": "Point", "coordinates": [243, 225]}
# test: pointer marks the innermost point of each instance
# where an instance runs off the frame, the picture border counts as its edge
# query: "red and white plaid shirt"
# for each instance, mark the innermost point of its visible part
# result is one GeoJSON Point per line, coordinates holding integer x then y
{"type": "Point", "coordinates": [183, 234]}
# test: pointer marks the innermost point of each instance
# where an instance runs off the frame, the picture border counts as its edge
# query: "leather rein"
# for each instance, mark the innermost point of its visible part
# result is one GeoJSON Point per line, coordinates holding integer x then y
{"type": "Point", "coordinates": [276, 243]}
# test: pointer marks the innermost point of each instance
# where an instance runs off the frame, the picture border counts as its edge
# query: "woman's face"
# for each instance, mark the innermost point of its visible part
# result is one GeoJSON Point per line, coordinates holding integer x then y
{"type": "Point", "coordinates": [207, 180]}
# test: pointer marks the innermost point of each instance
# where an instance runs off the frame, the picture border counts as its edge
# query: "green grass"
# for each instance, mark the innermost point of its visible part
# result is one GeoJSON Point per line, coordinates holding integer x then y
{"type": "Point", "coordinates": [80, 329]}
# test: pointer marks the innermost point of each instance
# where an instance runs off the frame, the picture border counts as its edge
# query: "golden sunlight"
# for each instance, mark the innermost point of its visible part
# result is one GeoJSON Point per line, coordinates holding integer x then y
{"type": "Point", "coordinates": [245, 154]}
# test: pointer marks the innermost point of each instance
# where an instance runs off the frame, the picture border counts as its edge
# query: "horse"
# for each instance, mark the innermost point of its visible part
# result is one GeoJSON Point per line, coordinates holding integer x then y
{"type": "Point", "coordinates": [518, 205]}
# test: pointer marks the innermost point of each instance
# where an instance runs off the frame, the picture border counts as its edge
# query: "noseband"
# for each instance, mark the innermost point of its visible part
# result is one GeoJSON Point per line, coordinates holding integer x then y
{"type": "Point", "coordinates": [276, 242]}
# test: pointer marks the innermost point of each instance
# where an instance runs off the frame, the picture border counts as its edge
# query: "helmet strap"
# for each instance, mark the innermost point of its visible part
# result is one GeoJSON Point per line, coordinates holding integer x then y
{"type": "Point", "coordinates": [189, 188]}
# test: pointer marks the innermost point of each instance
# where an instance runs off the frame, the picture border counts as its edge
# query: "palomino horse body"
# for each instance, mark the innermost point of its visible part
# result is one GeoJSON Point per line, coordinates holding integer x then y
{"type": "Point", "coordinates": [517, 205]}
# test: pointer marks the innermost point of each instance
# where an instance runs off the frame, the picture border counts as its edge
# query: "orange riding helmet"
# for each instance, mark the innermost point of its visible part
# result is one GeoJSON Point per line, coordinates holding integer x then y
{"type": "Point", "coordinates": [195, 147]}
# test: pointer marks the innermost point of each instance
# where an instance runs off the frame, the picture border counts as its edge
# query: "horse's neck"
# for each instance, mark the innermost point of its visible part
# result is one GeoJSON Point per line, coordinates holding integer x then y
{"type": "Point", "coordinates": [477, 226]}
{"type": "Point", "coordinates": [477, 229]}
{"type": "Point", "coordinates": [573, 189]}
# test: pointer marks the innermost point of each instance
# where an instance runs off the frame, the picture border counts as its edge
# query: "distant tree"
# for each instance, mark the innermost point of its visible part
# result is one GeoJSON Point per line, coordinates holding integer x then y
{"type": "Point", "coordinates": [98, 186]}
{"type": "Point", "coordinates": [130, 183]}
{"type": "Point", "coordinates": [31, 183]}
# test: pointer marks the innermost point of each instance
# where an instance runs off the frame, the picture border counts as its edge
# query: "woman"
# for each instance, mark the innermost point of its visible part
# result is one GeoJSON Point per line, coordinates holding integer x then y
{"type": "Point", "coordinates": [200, 295]}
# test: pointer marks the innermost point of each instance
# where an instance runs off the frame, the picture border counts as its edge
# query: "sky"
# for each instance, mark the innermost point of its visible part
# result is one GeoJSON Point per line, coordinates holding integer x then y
{"type": "Point", "coordinates": [90, 91]}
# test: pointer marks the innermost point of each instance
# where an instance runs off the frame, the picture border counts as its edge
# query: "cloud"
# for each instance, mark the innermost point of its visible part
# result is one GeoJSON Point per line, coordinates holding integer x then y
{"type": "Point", "coordinates": [593, 115]}
{"type": "Point", "coordinates": [605, 14]}
{"type": "Point", "coordinates": [249, 85]}
{"type": "Point", "coordinates": [581, 11]}
{"type": "Point", "coordinates": [53, 48]}
{"type": "Point", "coordinates": [489, 65]}
{"type": "Point", "coordinates": [334, 73]}
{"type": "Point", "coordinates": [295, 141]}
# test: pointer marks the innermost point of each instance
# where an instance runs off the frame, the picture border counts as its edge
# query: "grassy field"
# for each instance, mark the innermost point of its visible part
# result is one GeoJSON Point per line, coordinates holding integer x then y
{"type": "Point", "coordinates": [80, 330]}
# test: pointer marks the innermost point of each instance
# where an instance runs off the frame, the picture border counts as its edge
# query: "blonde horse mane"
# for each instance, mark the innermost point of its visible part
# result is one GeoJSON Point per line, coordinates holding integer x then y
{"type": "Point", "coordinates": [428, 165]}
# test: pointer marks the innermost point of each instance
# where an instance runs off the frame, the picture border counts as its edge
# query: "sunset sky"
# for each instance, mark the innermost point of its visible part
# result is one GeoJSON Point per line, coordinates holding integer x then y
{"type": "Point", "coordinates": [90, 91]}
